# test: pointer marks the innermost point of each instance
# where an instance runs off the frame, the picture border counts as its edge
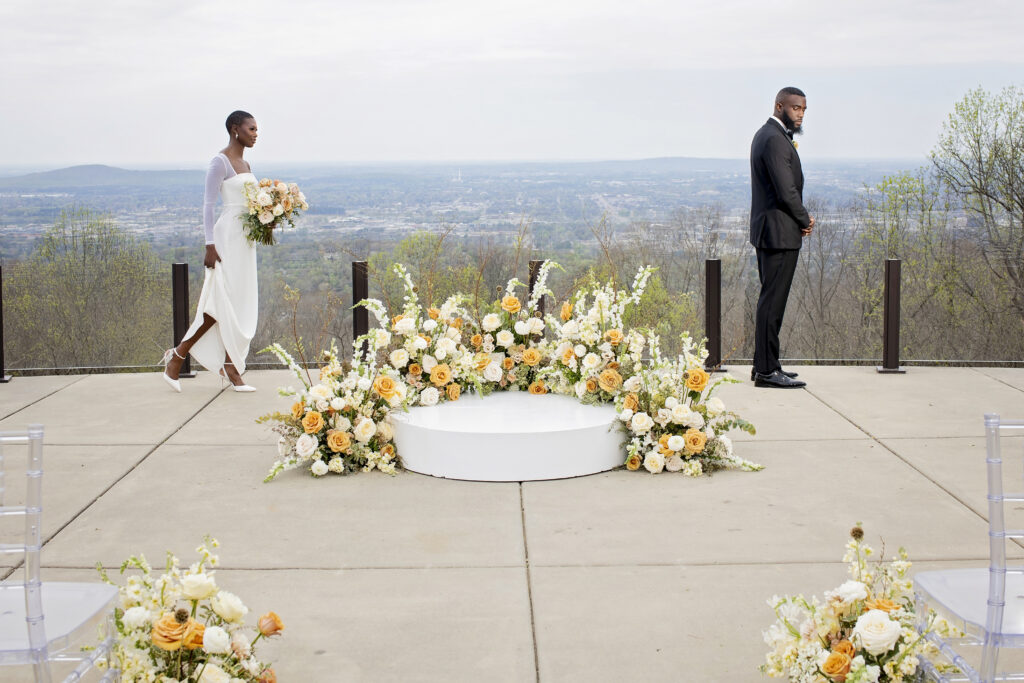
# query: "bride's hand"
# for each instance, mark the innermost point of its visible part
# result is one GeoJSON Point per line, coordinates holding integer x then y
{"type": "Point", "coordinates": [211, 256]}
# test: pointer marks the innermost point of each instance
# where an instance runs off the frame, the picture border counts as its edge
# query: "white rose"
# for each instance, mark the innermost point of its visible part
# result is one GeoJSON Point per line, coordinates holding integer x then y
{"type": "Point", "coordinates": [671, 402]}
{"type": "Point", "coordinates": [428, 363]}
{"type": "Point", "coordinates": [322, 404]}
{"type": "Point", "coordinates": [264, 199]}
{"type": "Point", "coordinates": [536, 326]}
{"type": "Point", "coordinates": [664, 416]}
{"type": "Point", "coordinates": [364, 384]}
{"type": "Point", "coordinates": [277, 210]}
{"type": "Point", "coordinates": [216, 640]}
{"type": "Point", "coordinates": [505, 338]}
{"type": "Point", "coordinates": [385, 432]}
{"type": "Point", "coordinates": [591, 361]}
{"type": "Point", "coordinates": [320, 391]}
{"type": "Point", "coordinates": [446, 346]}
{"type": "Point", "coordinates": [338, 403]}
{"type": "Point", "coordinates": [695, 420]}
{"type": "Point", "coordinates": [364, 430]}
{"type": "Point", "coordinates": [674, 463]}
{"type": "Point", "coordinates": [429, 396]}
{"type": "Point", "coordinates": [625, 414]}
{"type": "Point", "coordinates": [305, 446]}
{"type": "Point", "coordinates": [851, 591]}
{"type": "Point", "coordinates": [676, 443]}
{"type": "Point", "coordinates": [336, 465]}
{"type": "Point", "coordinates": [214, 674]}
{"type": "Point", "coordinates": [876, 632]}
{"type": "Point", "coordinates": [240, 645]}
{"type": "Point", "coordinates": [580, 389]}
{"type": "Point", "coordinates": [405, 326]}
{"type": "Point", "coordinates": [136, 618]}
{"type": "Point", "coordinates": [631, 384]}
{"type": "Point", "coordinates": [490, 322]}
{"type": "Point", "coordinates": [522, 327]}
{"type": "Point", "coordinates": [453, 333]}
{"type": "Point", "coordinates": [319, 468]}
{"type": "Point", "coordinates": [429, 324]}
{"type": "Point", "coordinates": [399, 396]}
{"type": "Point", "coordinates": [579, 350]}
{"type": "Point", "coordinates": [492, 373]}
{"type": "Point", "coordinates": [641, 423]}
{"type": "Point", "coordinates": [570, 329]}
{"type": "Point", "coordinates": [382, 337]}
{"type": "Point", "coordinates": [715, 406]}
{"type": "Point", "coordinates": [266, 217]}
{"type": "Point", "coordinates": [399, 358]}
{"type": "Point", "coordinates": [654, 462]}
{"type": "Point", "coordinates": [419, 343]}
{"type": "Point", "coordinates": [343, 423]}
{"type": "Point", "coordinates": [198, 586]}
{"type": "Point", "coordinates": [229, 607]}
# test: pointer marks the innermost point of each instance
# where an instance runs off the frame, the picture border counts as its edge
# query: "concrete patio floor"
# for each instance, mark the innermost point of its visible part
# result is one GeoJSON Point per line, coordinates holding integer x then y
{"type": "Point", "coordinates": [619, 576]}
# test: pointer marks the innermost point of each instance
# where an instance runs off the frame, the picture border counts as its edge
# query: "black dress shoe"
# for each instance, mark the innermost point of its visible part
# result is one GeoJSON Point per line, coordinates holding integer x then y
{"type": "Point", "coordinates": [778, 380]}
{"type": "Point", "coordinates": [784, 372]}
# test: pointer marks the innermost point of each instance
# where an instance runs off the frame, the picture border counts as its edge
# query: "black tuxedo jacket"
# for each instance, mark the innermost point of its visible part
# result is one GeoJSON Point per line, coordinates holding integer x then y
{"type": "Point", "coordinates": [777, 213]}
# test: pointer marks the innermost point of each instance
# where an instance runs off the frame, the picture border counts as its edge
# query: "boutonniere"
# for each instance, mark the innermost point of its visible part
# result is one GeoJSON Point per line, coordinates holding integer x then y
{"type": "Point", "coordinates": [795, 145]}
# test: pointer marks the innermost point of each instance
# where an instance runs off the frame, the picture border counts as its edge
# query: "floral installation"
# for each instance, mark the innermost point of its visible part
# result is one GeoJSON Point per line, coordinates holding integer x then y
{"type": "Point", "coordinates": [426, 356]}
{"type": "Point", "coordinates": [180, 626]}
{"type": "Point", "coordinates": [862, 631]}
{"type": "Point", "coordinates": [270, 204]}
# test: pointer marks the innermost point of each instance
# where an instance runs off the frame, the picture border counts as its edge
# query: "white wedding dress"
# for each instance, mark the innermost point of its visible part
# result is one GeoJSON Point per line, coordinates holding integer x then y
{"type": "Point", "coordinates": [230, 291]}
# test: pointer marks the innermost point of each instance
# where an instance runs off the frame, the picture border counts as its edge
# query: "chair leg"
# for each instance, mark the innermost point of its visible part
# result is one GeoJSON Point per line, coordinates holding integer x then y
{"type": "Point", "coordinates": [989, 660]}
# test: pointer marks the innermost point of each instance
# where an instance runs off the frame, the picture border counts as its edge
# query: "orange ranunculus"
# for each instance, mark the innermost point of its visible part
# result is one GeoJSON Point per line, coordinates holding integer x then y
{"type": "Point", "coordinates": [538, 388]}
{"type": "Point", "coordinates": [591, 384]}
{"type": "Point", "coordinates": [193, 635]}
{"type": "Point", "coordinates": [633, 462]}
{"type": "Point", "coordinates": [836, 666]}
{"type": "Point", "coordinates": [298, 408]}
{"type": "Point", "coordinates": [510, 304]}
{"type": "Point", "coordinates": [269, 624]}
{"type": "Point", "coordinates": [508, 363]}
{"type": "Point", "coordinates": [267, 676]}
{"type": "Point", "coordinates": [168, 632]}
{"type": "Point", "coordinates": [313, 422]}
{"type": "Point", "coordinates": [566, 312]}
{"type": "Point", "coordinates": [385, 386]}
{"type": "Point", "coordinates": [415, 369]}
{"type": "Point", "coordinates": [632, 402]}
{"type": "Point", "coordinates": [610, 380]}
{"type": "Point", "coordinates": [846, 647]}
{"type": "Point", "coordinates": [457, 323]}
{"type": "Point", "coordinates": [696, 379]}
{"type": "Point", "coordinates": [477, 341]}
{"type": "Point", "coordinates": [338, 441]}
{"type": "Point", "coordinates": [531, 357]}
{"type": "Point", "coordinates": [388, 450]}
{"type": "Point", "coordinates": [440, 374]}
{"type": "Point", "coordinates": [454, 391]}
{"type": "Point", "coordinates": [884, 604]}
{"type": "Point", "coordinates": [695, 440]}
{"type": "Point", "coordinates": [568, 355]}
{"type": "Point", "coordinates": [433, 313]}
{"type": "Point", "coordinates": [481, 360]}
{"type": "Point", "coordinates": [613, 337]}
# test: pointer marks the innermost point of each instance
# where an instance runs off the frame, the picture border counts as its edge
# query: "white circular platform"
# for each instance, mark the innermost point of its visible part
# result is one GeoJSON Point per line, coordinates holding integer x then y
{"type": "Point", "coordinates": [509, 436]}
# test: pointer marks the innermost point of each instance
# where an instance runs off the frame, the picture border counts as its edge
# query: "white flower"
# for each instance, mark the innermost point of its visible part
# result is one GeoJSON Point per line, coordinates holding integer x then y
{"type": "Point", "coordinates": [198, 586]}
{"type": "Point", "coordinates": [671, 402]}
{"type": "Point", "coordinates": [320, 391]}
{"type": "Point", "coordinates": [490, 322]}
{"type": "Point", "coordinates": [277, 210]}
{"type": "Point", "coordinates": [522, 327]}
{"type": "Point", "coordinates": [591, 361]}
{"type": "Point", "coordinates": [399, 358]}
{"type": "Point", "coordinates": [264, 198]}
{"type": "Point", "coordinates": [428, 363]}
{"type": "Point", "coordinates": [446, 347]}
{"type": "Point", "coordinates": [453, 333]}
{"type": "Point", "coordinates": [214, 674]}
{"type": "Point", "coordinates": [663, 417]}
{"type": "Point", "coordinates": [505, 338]}
{"type": "Point", "coordinates": [852, 591]}
{"type": "Point", "coordinates": [680, 413]}
{"type": "Point", "coordinates": [676, 442]}
{"type": "Point", "coordinates": [631, 384]}
{"type": "Point", "coordinates": [876, 632]}
{"type": "Point", "coordinates": [364, 430]}
{"type": "Point", "coordinates": [229, 607]}
{"type": "Point", "coordinates": [570, 330]}
{"type": "Point", "coordinates": [266, 217]}
{"type": "Point", "coordinates": [240, 645]}
{"type": "Point", "coordinates": [419, 343]}
{"type": "Point", "coordinates": [429, 324]}
{"type": "Point", "coordinates": [364, 384]}
{"type": "Point", "coordinates": [136, 617]}
{"type": "Point", "coordinates": [625, 414]}
{"type": "Point", "coordinates": [715, 406]}
{"type": "Point", "coordinates": [580, 350]}
{"type": "Point", "coordinates": [322, 404]}
{"type": "Point", "coordinates": [654, 462]}
{"type": "Point", "coordinates": [695, 420]}
{"type": "Point", "coordinates": [343, 423]}
{"type": "Point", "coordinates": [283, 446]}
{"type": "Point", "coordinates": [385, 432]}
{"type": "Point", "coordinates": [399, 396]}
{"type": "Point", "coordinates": [216, 640]}
{"type": "Point", "coordinates": [580, 389]}
{"type": "Point", "coordinates": [641, 423]}
{"type": "Point", "coordinates": [429, 396]}
{"type": "Point", "coordinates": [405, 326]}
{"type": "Point", "coordinates": [492, 373]}
{"type": "Point", "coordinates": [382, 337]}
{"type": "Point", "coordinates": [336, 465]}
{"type": "Point", "coordinates": [319, 468]}
{"type": "Point", "coordinates": [305, 446]}
{"type": "Point", "coordinates": [674, 463]}
{"type": "Point", "coordinates": [536, 326]}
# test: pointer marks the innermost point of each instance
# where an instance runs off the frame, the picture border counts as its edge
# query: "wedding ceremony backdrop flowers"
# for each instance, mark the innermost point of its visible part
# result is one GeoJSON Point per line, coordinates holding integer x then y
{"type": "Point", "coordinates": [862, 631]}
{"type": "Point", "coordinates": [271, 204]}
{"type": "Point", "coordinates": [181, 626]}
{"type": "Point", "coordinates": [422, 356]}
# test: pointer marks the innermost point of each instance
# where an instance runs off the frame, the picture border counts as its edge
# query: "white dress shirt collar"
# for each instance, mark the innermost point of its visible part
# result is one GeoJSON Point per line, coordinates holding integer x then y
{"type": "Point", "coordinates": [779, 121]}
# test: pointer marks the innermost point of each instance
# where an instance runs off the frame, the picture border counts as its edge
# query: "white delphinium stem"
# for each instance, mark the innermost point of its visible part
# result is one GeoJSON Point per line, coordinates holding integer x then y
{"type": "Point", "coordinates": [287, 359]}
{"type": "Point", "coordinates": [540, 285]}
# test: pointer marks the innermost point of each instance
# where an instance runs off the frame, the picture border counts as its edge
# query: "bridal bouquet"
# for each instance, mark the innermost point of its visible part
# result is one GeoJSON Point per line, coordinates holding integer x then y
{"type": "Point", "coordinates": [271, 204]}
{"type": "Point", "coordinates": [864, 630]}
{"type": "Point", "coordinates": [181, 626]}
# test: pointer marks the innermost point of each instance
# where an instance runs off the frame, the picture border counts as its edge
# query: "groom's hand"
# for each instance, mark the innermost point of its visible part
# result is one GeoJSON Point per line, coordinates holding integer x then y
{"type": "Point", "coordinates": [807, 231]}
{"type": "Point", "coordinates": [211, 258]}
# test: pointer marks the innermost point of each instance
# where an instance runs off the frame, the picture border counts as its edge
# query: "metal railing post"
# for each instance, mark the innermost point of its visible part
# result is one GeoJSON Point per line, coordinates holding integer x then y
{"type": "Point", "coordinates": [713, 313]}
{"type": "Point", "coordinates": [179, 311]}
{"type": "Point", "coordinates": [534, 271]}
{"type": "Point", "coordinates": [360, 291]}
{"type": "Point", "coordinates": [4, 377]}
{"type": "Point", "coordinates": [891, 319]}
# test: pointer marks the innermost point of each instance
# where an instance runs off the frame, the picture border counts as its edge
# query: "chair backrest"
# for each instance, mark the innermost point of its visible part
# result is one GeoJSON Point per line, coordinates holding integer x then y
{"type": "Point", "coordinates": [995, 429]}
{"type": "Point", "coordinates": [29, 543]}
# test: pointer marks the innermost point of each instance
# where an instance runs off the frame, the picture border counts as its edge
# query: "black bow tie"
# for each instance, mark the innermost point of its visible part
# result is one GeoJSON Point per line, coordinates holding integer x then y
{"type": "Point", "coordinates": [789, 134]}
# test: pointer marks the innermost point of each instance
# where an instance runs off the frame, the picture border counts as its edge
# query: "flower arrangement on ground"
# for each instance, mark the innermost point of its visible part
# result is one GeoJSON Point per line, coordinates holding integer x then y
{"type": "Point", "coordinates": [270, 204]}
{"type": "Point", "coordinates": [180, 626]}
{"type": "Point", "coordinates": [864, 630]}
{"type": "Point", "coordinates": [425, 356]}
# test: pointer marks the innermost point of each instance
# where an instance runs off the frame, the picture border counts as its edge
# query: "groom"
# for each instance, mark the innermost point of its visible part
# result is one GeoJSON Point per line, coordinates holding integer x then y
{"type": "Point", "coordinates": [778, 223]}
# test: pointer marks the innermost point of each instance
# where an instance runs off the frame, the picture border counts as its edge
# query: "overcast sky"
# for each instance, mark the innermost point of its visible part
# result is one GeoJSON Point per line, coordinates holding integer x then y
{"type": "Point", "coordinates": [138, 83]}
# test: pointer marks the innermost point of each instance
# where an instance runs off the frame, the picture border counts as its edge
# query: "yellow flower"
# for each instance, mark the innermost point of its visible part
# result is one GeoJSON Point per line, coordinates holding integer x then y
{"type": "Point", "coordinates": [695, 440]}
{"type": "Point", "coordinates": [568, 355]}
{"type": "Point", "coordinates": [846, 647]}
{"type": "Point", "coordinates": [610, 380]}
{"type": "Point", "coordinates": [696, 379]}
{"type": "Point", "coordinates": [194, 631]}
{"type": "Point", "coordinates": [884, 604]}
{"type": "Point", "coordinates": [476, 340]}
{"type": "Point", "coordinates": [538, 388]}
{"type": "Point", "coordinates": [481, 360]}
{"type": "Point", "coordinates": [313, 422]}
{"type": "Point", "coordinates": [614, 337]}
{"type": "Point", "coordinates": [591, 384]}
{"type": "Point", "coordinates": [633, 462]}
{"type": "Point", "coordinates": [433, 313]}
{"type": "Point", "coordinates": [457, 323]}
{"type": "Point", "coordinates": [508, 363]}
{"type": "Point", "coordinates": [510, 304]}
{"type": "Point", "coordinates": [385, 386]}
{"type": "Point", "coordinates": [566, 312]}
{"type": "Point", "coordinates": [298, 408]}
{"type": "Point", "coordinates": [836, 666]}
{"type": "Point", "coordinates": [631, 402]}
{"type": "Point", "coordinates": [415, 369]}
{"type": "Point", "coordinates": [168, 632]}
{"type": "Point", "coordinates": [338, 441]}
{"type": "Point", "coordinates": [453, 391]}
{"type": "Point", "coordinates": [531, 357]}
{"type": "Point", "coordinates": [441, 374]}
{"type": "Point", "coordinates": [269, 624]}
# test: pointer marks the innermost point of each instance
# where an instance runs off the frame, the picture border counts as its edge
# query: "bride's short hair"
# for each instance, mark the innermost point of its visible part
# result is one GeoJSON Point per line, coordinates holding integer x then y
{"type": "Point", "coordinates": [237, 118]}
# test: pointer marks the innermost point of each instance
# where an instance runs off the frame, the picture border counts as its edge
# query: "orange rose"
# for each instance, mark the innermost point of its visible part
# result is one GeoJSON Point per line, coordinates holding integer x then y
{"type": "Point", "coordinates": [633, 462]}
{"type": "Point", "coordinates": [510, 304]}
{"type": "Point", "coordinates": [613, 337]}
{"type": "Point", "coordinates": [385, 386]}
{"type": "Point", "coordinates": [338, 441]}
{"type": "Point", "coordinates": [613, 365]}
{"type": "Point", "coordinates": [168, 632]}
{"type": "Point", "coordinates": [298, 408]}
{"type": "Point", "coordinates": [631, 402]}
{"type": "Point", "coordinates": [388, 451]}
{"type": "Point", "coordinates": [457, 323]}
{"type": "Point", "coordinates": [434, 313]}
{"type": "Point", "coordinates": [270, 624]}
{"type": "Point", "coordinates": [440, 374]}
{"type": "Point", "coordinates": [538, 388]}
{"type": "Point", "coordinates": [313, 422]}
{"type": "Point", "coordinates": [531, 357]}
{"type": "Point", "coordinates": [566, 311]}
{"type": "Point", "coordinates": [884, 604]}
{"type": "Point", "coordinates": [836, 666]}
{"type": "Point", "coordinates": [193, 635]}
{"type": "Point", "coordinates": [845, 647]}
{"type": "Point", "coordinates": [508, 363]}
{"type": "Point", "coordinates": [591, 385]}
{"type": "Point", "coordinates": [476, 340]}
{"type": "Point", "coordinates": [481, 360]}
{"type": "Point", "coordinates": [696, 379]}
{"type": "Point", "coordinates": [453, 391]}
{"type": "Point", "coordinates": [695, 440]}
{"type": "Point", "coordinates": [610, 380]}
{"type": "Point", "coordinates": [267, 676]}
{"type": "Point", "coordinates": [415, 369]}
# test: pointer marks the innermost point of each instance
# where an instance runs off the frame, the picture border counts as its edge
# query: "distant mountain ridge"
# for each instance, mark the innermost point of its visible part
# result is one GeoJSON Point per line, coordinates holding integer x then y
{"type": "Point", "coordinates": [98, 175]}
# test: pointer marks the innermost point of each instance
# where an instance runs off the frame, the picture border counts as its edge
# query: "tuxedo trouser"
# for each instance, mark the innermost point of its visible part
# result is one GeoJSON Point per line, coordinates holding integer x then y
{"type": "Point", "coordinates": [775, 267]}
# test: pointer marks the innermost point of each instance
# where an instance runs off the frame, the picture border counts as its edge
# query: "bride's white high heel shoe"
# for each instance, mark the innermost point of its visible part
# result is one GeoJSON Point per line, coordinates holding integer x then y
{"type": "Point", "coordinates": [240, 388]}
{"type": "Point", "coordinates": [172, 383]}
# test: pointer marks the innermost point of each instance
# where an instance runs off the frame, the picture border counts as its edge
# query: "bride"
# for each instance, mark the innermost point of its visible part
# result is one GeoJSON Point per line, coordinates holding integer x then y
{"type": "Point", "coordinates": [225, 319]}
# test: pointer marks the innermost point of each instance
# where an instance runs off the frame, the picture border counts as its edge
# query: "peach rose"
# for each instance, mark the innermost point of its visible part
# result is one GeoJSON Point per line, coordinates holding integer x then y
{"type": "Point", "coordinates": [566, 312]}
{"type": "Point", "coordinates": [193, 635]}
{"type": "Point", "coordinates": [531, 357]}
{"type": "Point", "coordinates": [836, 666]}
{"type": "Point", "coordinates": [538, 388]}
{"type": "Point", "coordinates": [453, 390]}
{"type": "Point", "coordinates": [696, 379]}
{"type": "Point", "coordinates": [695, 440]}
{"type": "Point", "coordinates": [610, 380]}
{"type": "Point", "coordinates": [267, 676]}
{"type": "Point", "coordinates": [385, 386]}
{"type": "Point", "coordinates": [476, 340]}
{"type": "Point", "coordinates": [457, 323]}
{"type": "Point", "coordinates": [338, 441]}
{"type": "Point", "coordinates": [510, 304]}
{"type": "Point", "coordinates": [313, 422]}
{"type": "Point", "coordinates": [508, 363]}
{"type": "Point", "coordinates": [298, 408]}
{"type": "Point", "coordinates": [168, 632]}
{"type": "Point", "coordinates": [591, 385]}
{"type": "Point", "coordinates": [884, 604]}
{"type": "Point", "coordinates": [440, 374]}
{"type": "Point", "coordinates": [613, 337]}
{"type": "Point", "coordinates": [845, 647]}
{"type": "Point", "coordinates": [633, 462]}
{"type": "Point", "coordinates": [270, 624]}
{"type": "Point", "coordinates": [415, 369]}
{"type": "Point", "coordinates": [631, 402]}
{"type": "Point", "coordinates": [434, 313]}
